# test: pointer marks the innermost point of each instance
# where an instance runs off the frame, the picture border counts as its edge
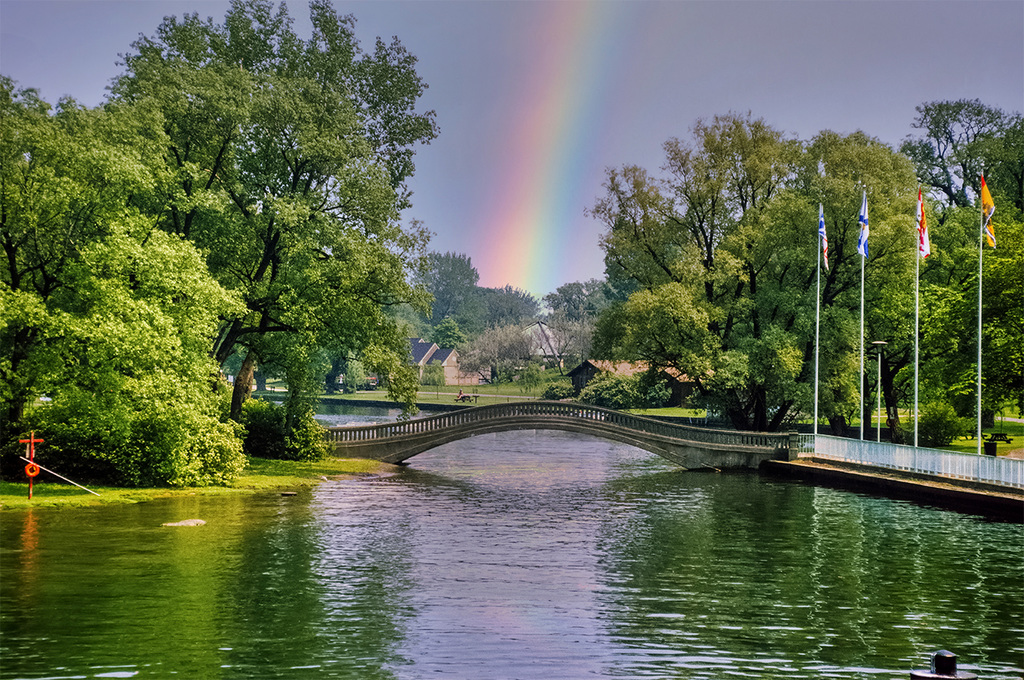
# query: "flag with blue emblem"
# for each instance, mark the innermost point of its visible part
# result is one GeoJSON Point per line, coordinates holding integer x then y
{"type": "Point", "coordinates": [822, 235]}
{"type": "Point", "coordinates": [862, 242]}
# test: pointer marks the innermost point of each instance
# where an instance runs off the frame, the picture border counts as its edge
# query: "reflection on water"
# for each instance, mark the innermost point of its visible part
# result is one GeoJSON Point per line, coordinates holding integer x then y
{"type": "Point", "coordinates": [333, 414]}
{"type": "Point", "coordinates": [520, 555]}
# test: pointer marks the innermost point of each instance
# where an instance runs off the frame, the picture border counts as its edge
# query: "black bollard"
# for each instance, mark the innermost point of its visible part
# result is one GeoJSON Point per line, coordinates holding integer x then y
{"type": "Point", "coordinates": [943, 666]}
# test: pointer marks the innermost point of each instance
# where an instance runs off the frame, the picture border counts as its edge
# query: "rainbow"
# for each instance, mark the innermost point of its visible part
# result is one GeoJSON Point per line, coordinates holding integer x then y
{"type": "Point", "coordinates": [543, 187]}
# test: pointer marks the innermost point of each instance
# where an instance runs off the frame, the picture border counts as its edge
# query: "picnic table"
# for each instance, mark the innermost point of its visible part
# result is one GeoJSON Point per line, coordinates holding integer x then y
{"type": "Point", "coordinates": [998, 437]}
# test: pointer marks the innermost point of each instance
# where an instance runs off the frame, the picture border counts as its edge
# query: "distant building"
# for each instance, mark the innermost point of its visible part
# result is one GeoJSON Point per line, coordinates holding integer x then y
{"type": "Point", "coordinates": [425, 353]}
{"type": "Point", "coordinates": [543, 341]}
{"type": "Point", "coordinates": [680, 386]}
{"type": "Point", "coordinates": [589, 369]}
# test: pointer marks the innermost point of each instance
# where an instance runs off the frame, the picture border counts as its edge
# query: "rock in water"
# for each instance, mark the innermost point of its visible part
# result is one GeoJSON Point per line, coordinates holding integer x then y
{"type": "Point", "coordinates": [185, 523]}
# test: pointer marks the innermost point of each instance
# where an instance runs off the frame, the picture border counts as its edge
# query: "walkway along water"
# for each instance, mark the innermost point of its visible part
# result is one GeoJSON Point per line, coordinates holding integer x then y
{"type": "Point", "coordinates": [986, 485]}
{"type": "Point", "coordinates": [962, 481]}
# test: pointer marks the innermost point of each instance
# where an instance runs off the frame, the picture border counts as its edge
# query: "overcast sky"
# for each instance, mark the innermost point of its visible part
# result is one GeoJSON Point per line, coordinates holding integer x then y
{"type": "Point", "coordinates": [535, 99]}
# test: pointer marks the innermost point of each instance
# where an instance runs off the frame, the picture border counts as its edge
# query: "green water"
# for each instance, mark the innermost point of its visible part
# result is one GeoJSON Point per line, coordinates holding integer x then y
{"type": "Point", "coordinates": [522, 555]}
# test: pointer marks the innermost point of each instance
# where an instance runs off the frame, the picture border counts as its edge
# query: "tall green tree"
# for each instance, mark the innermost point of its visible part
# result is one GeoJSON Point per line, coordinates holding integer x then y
{"type": "Point", "coordinates": [836, 170]}
{"type": "Point", "coordinates": [961, 140]}
{"type": "Point", "coordinates": [100, 312]}
{"type": "Point", "coordinates": [287, 161]}
{"type": "Point", "coordinates": [949, 154]}
{"type": "Point", "coordinates": [452, 280]}
{"type": "Point", "coordinates": [709, 303]}
{"type": "Point", "coordinates": [447, 334]}
{"type": "Point", "coordinates": [509, 306]}
{"type": "Point", "coordinates": [578, 300]}
{"type": "Point", "coordinates": [723, 254]}
{"type": "Point", "coordinates": [500, 354]}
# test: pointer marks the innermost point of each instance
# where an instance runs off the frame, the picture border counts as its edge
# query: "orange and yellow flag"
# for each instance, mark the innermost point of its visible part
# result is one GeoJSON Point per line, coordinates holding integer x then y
{"type": "Point", "coordinates": [987, 208]}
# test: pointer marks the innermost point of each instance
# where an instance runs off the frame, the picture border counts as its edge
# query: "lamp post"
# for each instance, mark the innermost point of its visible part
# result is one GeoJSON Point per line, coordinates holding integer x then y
{"type": "Point", "coordinates": [879, 345]}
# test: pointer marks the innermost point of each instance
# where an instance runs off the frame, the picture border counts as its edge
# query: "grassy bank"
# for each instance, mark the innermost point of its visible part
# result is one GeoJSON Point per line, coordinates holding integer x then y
{"type": "Point", "coordinates": [260, 475]}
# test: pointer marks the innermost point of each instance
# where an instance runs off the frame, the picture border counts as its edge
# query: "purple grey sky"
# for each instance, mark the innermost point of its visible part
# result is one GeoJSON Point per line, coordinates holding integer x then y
{"type": "Point", "coordinates": [803, 66]}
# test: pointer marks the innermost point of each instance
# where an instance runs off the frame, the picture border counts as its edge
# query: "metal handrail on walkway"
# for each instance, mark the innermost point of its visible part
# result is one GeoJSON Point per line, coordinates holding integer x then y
{"type": "Point", "coordinates": [967, 466]}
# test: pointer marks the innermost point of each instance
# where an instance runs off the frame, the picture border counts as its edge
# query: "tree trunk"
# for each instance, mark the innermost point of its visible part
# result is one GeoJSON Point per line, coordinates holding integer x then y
{"type": "Point", "coordinates": [243, 386]}
{"type": "Point", "coordinates": [837, 425]}
{"type": "Point", "coordinates": [892, 413]}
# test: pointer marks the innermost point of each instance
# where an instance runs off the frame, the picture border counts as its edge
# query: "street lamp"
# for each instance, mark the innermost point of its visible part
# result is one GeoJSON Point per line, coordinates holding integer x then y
{"type": "Point", "coordinates": [879, 345]}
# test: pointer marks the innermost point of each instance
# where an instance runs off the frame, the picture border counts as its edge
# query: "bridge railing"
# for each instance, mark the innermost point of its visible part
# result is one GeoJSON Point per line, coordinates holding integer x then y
{"type": "Point", "coordinates": [557, 409]}
{"type": "Point", "coordinates": [970, 466]}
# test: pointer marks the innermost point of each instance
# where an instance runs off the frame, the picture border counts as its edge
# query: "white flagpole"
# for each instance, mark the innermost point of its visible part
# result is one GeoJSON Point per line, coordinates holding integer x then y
{"type": "Point", "coordinates": [861, 388]}
{"type": "Point", "coordinates": [917, 337]}
{"type": "Point", "coordinates": [817, 329]}
{"type": "Point", "coordinates": [917, 312]}
{"type": "Point", "coordinates": [863, 253]}
{"type": "Point", "coordinates": [981, 251]}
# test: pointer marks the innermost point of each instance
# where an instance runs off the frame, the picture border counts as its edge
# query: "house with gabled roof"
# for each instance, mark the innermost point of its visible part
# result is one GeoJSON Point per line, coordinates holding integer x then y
{"type": "Point", "coordinates": [425, 353]}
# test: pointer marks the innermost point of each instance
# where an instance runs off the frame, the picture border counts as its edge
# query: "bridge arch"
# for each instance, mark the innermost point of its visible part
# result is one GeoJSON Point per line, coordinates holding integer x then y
{"type": "Point", "coordinates": [687, 446]}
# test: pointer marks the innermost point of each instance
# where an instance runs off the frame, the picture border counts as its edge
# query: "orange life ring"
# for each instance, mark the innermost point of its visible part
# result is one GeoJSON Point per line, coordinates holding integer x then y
{"type": "Point", "coordinates": [31, 469]}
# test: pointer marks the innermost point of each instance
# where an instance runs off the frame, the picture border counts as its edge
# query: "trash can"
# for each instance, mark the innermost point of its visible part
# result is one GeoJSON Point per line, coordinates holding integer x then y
{"type": "Point", "coordinates": [990, 448]}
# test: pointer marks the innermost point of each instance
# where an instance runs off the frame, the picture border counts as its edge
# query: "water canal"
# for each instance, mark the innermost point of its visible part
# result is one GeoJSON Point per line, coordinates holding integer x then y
{"type": "Point", "coordinates": [518, 555]}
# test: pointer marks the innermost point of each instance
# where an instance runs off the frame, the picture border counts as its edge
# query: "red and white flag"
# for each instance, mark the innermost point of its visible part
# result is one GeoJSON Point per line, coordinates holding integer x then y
{"type": "Point", "coordinates": [924, 245]}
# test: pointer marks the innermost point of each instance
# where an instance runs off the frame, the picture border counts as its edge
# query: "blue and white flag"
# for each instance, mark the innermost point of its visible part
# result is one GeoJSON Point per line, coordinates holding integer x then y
{"type": "Point", "coordinates": [862, 242]}
{"type": "Point", "coordinates": [822, 235]}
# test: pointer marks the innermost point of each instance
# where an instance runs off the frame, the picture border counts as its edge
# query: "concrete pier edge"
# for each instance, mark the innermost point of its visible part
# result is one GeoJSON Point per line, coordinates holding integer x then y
{"type": "Point", "coordinates": [990, 500]}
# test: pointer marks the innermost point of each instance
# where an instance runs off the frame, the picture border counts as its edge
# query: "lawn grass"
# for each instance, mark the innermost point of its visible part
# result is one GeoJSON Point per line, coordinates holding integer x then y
{"type": "Point", "coordinates": [260, 475]}
{"type": "Point", "coordinates": [670, 411]}
{"type": "Point", "coordinates": [1013, 429]}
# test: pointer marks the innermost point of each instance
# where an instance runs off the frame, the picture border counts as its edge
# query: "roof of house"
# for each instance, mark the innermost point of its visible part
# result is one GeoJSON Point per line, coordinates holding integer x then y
{"type": "Point", "coordinates": [421, 350]}
{"type": "Point", "coordinates": [625, 368]}
{"type": "Point", "coordinates": [616, 367]}
{"type": "Point", "coordinates": [442, 355]}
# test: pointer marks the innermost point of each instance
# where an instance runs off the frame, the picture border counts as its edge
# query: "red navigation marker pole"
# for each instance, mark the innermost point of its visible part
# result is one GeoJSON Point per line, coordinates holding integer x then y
{"type": "Point", "coordinates": [31, 469]}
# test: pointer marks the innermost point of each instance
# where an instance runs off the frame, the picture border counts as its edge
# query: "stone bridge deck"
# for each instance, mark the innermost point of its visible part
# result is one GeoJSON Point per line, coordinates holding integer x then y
{"type": "Point", "coordinates": [689, 447]}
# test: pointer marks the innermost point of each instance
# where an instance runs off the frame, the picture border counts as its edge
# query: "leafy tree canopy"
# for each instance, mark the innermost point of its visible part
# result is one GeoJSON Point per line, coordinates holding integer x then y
{"type": "Point", "coordinates": [724, 268]}
{"type": "Point", "coordinates": [100, 312]}
{"type": "Point", "coordinates": [285, 160]}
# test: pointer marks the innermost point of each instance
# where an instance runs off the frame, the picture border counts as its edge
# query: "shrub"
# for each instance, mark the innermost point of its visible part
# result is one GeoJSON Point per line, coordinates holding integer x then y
{"type": "Point", "coordinates": [657, 396]}
{"type": "Point", "coordinates": [558, 390]}
{"type": "Point", "coordinates": [621, 392]}
{"type": "Point", "coordinates": [612, 391]}
{"type": "Point", "coordinates": [268, 435]}
{"type": "Point", "coordinates": [306, 441]}
{"type": "Point", "coordinates": [105, 437]}
{"type": "Point", "coordinates": [940, 425]}
{"type": "Point", "coordinates": [264, 428]}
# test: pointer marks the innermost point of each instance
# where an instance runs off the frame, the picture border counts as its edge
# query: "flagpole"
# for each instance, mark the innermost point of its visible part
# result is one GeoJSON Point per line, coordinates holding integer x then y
{"type": "Point", "coordinates": [917, 309]}
{"type": "Point", "coordinates": [917, 336]}
{"type": "Point", "coordinates": [981, 252]}
{"type": "Point", "coordinates": [861, 390]}
{"type": "Point", "coordinates": [817, 335]}
{"type": "Point", "coordinates": [862, 249]}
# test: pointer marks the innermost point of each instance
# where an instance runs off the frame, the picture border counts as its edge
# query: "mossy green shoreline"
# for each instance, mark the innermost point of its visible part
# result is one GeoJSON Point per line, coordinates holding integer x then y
{"type": "Point", "coordinates": [259, 476]}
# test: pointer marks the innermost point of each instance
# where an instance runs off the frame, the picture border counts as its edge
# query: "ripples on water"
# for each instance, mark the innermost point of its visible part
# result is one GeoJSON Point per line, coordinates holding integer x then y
{"type": "Point", "coordinates": [521, 555]}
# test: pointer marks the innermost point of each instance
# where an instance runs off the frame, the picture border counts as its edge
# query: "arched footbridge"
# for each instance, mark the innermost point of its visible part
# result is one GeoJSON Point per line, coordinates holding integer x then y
{"type": "Point", "coordinates": [689, 447]}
